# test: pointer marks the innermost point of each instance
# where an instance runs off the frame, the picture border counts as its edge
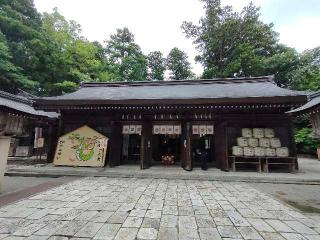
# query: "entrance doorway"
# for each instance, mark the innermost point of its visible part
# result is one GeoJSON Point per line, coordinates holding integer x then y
{"type": "Point", "coordinates": [131, 149]}
{"type": "Point", "coordinates": [203, 146]}
{"type": "Point", "coordinates": [166, 146]}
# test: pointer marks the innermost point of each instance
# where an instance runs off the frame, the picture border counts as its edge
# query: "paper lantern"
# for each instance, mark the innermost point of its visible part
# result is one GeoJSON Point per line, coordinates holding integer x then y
{"type": "Point", "coordinates": [177, 129]}
{"type": "Point", "coordinates": [156, 129]}
{"type": "Point", "coordinates": [195, 129]}
{"type": "Point", "coordinates": [163, 129]}
{"type": "Point", "coordinates": [202, 129]}
{"type": "Point", "coordinates": [125, 129]}
{"type": "Point", "coordinates": [132, 129]}
{"type": "Point", "coordinates": [169, 129]}
{"type": "Point", "coordinates": [210, 129]}
{"type": "Point", "coordinates": [138, 129]}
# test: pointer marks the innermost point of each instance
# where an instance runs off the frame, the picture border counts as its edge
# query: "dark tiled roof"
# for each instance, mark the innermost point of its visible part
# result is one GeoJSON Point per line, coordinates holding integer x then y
{"type": "Point", "coordinates": [231, 88]}
{"type": "Point", "coordinates": [22, 104]}
{"type": "Point", "coordinates": [313, 102]}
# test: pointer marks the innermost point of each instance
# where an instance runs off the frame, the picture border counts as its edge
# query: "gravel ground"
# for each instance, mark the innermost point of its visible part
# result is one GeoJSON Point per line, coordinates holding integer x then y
{"type": "Point", "coordinates": [304, 197]}
{"type": "Point", "coordinates": [12, 184]}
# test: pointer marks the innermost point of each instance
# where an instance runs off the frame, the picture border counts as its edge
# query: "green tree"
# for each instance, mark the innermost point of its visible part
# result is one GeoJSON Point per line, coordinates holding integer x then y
{"type": "Point", "coordinates": [307, 75]}
{"type": "Point", "coordinates": [178, 64]}
{"type": "Point", "coordinates": [121, 50]}
{"type": "Point", "coordinates": [281, 64]}
{"type": "Point", "coordinates": [231, 43]}
{"type": "Point", "coordinates": [156, 65]}
{"type": "Point", "coordinates": [11, 77]}
{"type": "Point", "coordinates": [70, 57]}
{"type": "Point", "coordinates": [20, 23]}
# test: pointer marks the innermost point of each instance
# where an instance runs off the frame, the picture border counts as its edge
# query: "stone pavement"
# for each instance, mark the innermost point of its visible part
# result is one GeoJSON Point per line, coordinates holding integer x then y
{"type": "Point", "coordinates": [132, 208]}
{"type": "Point", "coordinates": [309, 173]}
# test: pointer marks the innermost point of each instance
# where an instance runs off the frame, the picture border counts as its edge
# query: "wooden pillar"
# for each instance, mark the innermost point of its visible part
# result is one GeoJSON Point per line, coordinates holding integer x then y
{"type": "Point", "coordinates": [60, 130]}
{"type": "Point", "coordinates": [146, 145]}
{"type": "Point", "coordinates": [221, 146]}
{"type": "Point", "coordinates": [4, 150]}
{"type": "Point", "coordinates": [292, 143]}
{"type": "Point", "coordinates": [115, 142]}
{"type": "Point", "coordinates": [186, 148]}
{"type": "Point", "coordinates": [52, 142]}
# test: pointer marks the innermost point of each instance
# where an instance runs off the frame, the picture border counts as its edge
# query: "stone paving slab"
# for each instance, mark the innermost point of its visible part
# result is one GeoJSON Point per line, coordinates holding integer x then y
{"type": "Point", "coordinates": [308, 173]}
{"type": "Point", "coordinates": [104, 208]}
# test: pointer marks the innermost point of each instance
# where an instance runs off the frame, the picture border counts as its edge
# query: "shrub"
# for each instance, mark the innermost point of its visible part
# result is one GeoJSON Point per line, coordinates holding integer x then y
{"type": "Point", "coordinates": [306, 142]}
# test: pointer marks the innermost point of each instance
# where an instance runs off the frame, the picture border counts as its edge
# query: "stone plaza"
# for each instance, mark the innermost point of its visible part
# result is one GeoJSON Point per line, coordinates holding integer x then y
{"type": "Point", "coordinates": [132, 208]}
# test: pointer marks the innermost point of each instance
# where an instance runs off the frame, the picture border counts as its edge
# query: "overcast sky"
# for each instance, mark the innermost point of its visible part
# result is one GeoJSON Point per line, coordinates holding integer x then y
{"type": "Point", "coordinates": [156, 23]}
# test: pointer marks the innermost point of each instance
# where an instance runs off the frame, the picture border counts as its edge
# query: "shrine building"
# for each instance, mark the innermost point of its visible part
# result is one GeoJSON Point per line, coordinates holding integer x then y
{"type": "Point", "coordinates": [235, 120]}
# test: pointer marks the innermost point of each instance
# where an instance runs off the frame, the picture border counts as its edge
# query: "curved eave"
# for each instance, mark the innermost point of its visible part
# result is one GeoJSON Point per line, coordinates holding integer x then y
{"type": "Point", "coordinates": [61, 104]}
{"type": "Point", "coordinates": [307, 108]}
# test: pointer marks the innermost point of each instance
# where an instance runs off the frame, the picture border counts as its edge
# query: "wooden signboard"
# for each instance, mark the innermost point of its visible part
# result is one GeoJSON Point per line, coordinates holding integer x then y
{"type": "Point", "coordinates": [40, 142]}
{"type": "Point", "coordinates": [81, 147]}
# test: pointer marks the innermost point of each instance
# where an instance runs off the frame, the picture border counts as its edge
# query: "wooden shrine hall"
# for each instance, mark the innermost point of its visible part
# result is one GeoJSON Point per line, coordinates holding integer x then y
{"type": "Point", "coordinates": [231, 121]}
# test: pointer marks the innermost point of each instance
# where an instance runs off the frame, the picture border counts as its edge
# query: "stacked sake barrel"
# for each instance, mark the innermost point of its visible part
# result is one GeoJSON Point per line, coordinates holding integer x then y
{"type": "Point", "coordinates": [259, 142]}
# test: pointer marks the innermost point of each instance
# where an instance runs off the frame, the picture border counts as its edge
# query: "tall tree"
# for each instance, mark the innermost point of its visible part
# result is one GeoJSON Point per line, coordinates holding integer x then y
{"type": "Point", "coordinates": [307, 75]}
{"type": "Point", "coordinates": [71, 58]}
{"type": "Point", "coordinates": [156, 65]}
{"type": "Point", "coordinates": [178, 64]}
{"type": "Point", "coordinates": [11, 77]}
{"type": "Point", "coordinates": [231, 43]}
{"type": "Point", "coordinates": [20, 23]}
{"type": "Point", "coordinates": [124, 52]}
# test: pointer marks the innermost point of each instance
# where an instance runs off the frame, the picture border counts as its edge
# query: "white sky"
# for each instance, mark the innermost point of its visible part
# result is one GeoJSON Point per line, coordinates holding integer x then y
{"type": "Point", "coordinates": [156, 23]}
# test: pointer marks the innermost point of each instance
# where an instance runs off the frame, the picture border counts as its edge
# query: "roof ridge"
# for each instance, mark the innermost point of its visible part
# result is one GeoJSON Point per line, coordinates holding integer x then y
{"type": "Point", "coordinates": [180, 82]}
{"type": "Point", "coordinates": [15, 98]}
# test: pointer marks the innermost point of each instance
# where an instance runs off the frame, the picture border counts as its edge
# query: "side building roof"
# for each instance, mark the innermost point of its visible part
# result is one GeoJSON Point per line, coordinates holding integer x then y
{"type": "Point", "coordinates": [211, 91]}
{"type": "Point", "coordinates": [312, 104]}
{"type": "Point", "coordinates": [23, 104]}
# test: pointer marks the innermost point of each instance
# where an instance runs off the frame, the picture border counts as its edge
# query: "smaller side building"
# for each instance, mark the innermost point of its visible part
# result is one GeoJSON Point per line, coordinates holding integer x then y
{"type": "Point", "coordinates": [311, 108]}
{"type": "Point", "coordinates": [25, 125]}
